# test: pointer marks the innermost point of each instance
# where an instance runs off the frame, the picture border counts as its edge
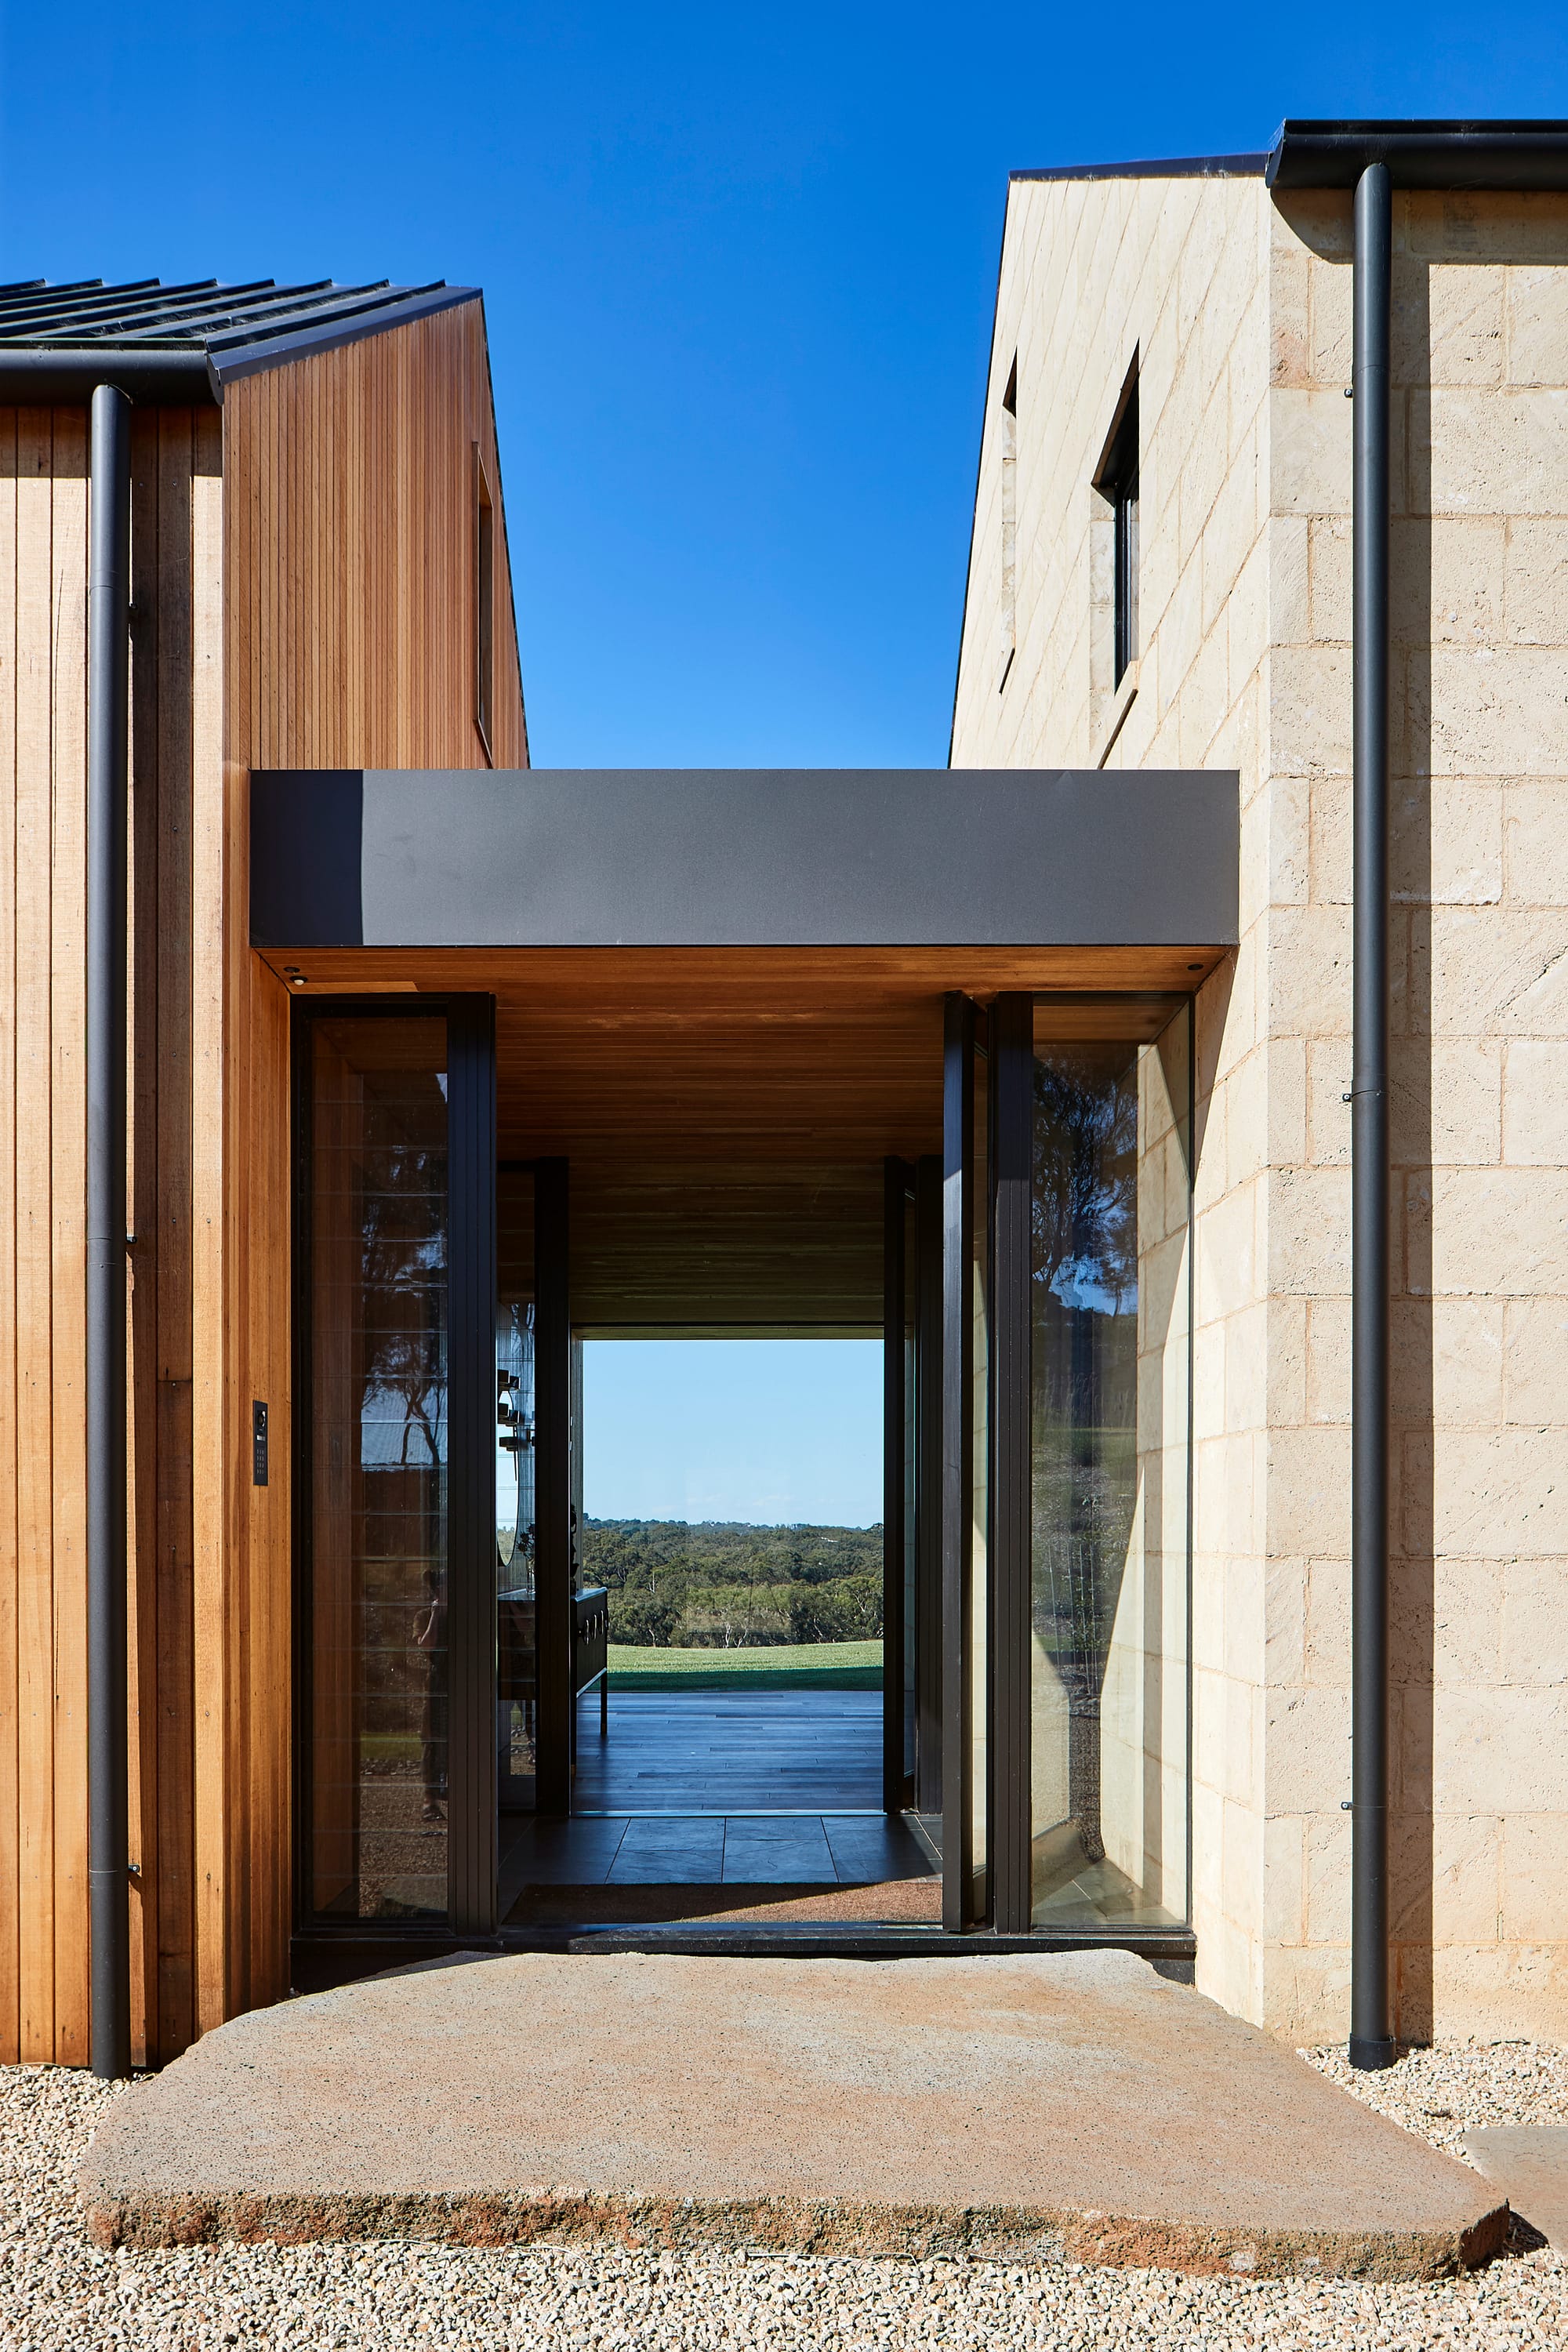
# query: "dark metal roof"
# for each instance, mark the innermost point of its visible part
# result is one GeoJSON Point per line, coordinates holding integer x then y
{"type": "Point", "coordinates": [1163, 167]}
{"type": "Point", "coordinates": [186, 342]}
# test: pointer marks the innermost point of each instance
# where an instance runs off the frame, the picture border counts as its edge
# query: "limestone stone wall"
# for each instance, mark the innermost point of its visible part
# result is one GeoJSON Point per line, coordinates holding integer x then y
{"type": "Point", "coordinates": [1239, 312]}
{"type": "Point", "coordinates": [1173, 274]}
{"type": "Point", "coordinates": [1479, 543]}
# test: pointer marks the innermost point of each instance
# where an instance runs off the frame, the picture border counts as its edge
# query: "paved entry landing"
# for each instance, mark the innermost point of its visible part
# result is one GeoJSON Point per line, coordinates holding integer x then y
{"type": "Point", "coordinates": [1075, 2106]}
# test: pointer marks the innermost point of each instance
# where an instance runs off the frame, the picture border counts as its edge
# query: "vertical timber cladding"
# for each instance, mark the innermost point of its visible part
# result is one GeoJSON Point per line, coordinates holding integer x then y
{"type": "Point", "coordinates": [302, 573]}
{"type": "Point", "coordinates": [43, 1450]}
{"type": "Point", "coordinates": [43, 1955]}
{"type": "Point", "coordinates": [350, 575]}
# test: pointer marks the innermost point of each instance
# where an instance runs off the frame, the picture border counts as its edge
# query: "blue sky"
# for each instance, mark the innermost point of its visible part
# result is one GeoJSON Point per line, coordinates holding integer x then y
{"type": "Point", "coordinates": [738, 264]}
{"type": "Point", "coordinates": [776, 1431]}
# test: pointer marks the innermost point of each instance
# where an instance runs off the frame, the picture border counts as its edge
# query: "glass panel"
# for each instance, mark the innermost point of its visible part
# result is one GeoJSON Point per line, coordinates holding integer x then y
{"type": "Point", "coordinates": [516, 1686]}
{"type": "Point", "coordinates": [979, 1662]}
{"type": "Point", "coordinates": [1109, 1293]}
{"type": "Point", "coordinates": [909, 1463]}
{"type": "Point", "coordinates": [378, 1212]}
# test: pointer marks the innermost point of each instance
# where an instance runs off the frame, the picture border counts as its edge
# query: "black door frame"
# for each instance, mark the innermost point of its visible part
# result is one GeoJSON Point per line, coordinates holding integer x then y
{"type": "Point", "coordinates": [556, 1716]}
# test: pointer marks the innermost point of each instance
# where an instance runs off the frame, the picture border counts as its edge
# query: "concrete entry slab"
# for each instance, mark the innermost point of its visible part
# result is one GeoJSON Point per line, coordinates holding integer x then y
{"type": "Point", "coordinates": [1528, 2163]}
{"type": "Point", "coordinates": [1076, 2107]}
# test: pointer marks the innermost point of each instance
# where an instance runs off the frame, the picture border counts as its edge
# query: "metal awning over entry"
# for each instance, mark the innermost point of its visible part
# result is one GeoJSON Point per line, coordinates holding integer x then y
{"type": "Point", "coordinates": [747, 857]}
{"type": "Point", "coordinates": [719, 995]}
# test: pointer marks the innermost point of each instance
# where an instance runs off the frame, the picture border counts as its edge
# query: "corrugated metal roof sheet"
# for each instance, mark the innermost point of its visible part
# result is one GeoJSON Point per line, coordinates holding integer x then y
{"type": "Point", "coordinates": [235, 328]}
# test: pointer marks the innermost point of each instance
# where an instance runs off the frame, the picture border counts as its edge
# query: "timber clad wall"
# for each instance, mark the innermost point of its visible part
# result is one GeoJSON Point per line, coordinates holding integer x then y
{"type": "Point", "coordinates": [42, 766]}
{"type": "Point", "coordinates": [302, 582]}
{"type": "Point", "coordinates": [351, 557]}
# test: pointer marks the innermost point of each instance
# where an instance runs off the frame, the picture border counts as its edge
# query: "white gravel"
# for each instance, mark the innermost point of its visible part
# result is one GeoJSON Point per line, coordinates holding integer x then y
{"type": "Point", "coordinates": [57, 2291]}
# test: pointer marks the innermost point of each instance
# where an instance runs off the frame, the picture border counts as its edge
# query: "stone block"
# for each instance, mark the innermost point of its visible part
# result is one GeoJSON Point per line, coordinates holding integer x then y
{"type": "Point", "coordinates": [1493, 971]}
{"type": "Point", "coordinates": [1535, 846]}
{"type": "Point", "coordinates": [1447, 1358]}
{"type": "Point", "coordinates": [1445, 845]}
{"type": "Point", "coordinates": [1491, 710]}
{"type": "Point", "coordinates": [1327, 1615]}
{"type": "Point", "coordinates": [1331, 324]}
{"type": "Point", "coordinates": [1502, 1991]}
{"type": "Point", "coordinates": [1533, 1357]}
{"type": "Point", "coordinates": [1284, 1881]}
{"type": "Point", "coordinates": [1499, 1751]}
{"type": "Point", "coordinates": [1285, 1623]}
{"type": "Point", "coordinates": [1241, 1880]}
{"type": "Point", "coordinates": [1496, 1233]}
{"type": "Point", "coordinates": [1307, 1746]}
{"type": "Point", "coordinates": [1447, 1106]}
{"type": "Point", "coordinates": [1535, 1102]}
{"type": "Point", "coordinates": [1310, 710]}
{"type": "Point", "coordinates": [1533, 1631]}
{"type": "Point", "coordinates": [1309, 1232]}
{"type": "Point", "coordinates": [1227, 1271]}
{"type": "Point", "coordinates": [1537, 300]}
{"type": "Point", "coordinates": [1327, 1360]}
{"type": "Point", "coordinates": [1464, 1639]}
{"type": "Point", "coordinates": [1534, 1877]}
{"type": "Point", "coordinates": [1448, 324]}
{"type": "Point", "coordinates": [1448, 580]}
{"type": "Point", "coordinates": [1310, 453]}
{"type": "Point", "coordinates": [1496, 1491]}
{"type": "Point", "coordinates": [1535, 582]}
{"type": "Point", "coordinates": [1310, 971]}
{"type": "Point", "coordinates": [1487, 452]}
{"type": "Point", "coordinates": [1330, 540]}
{"type": "Point", "coordinates": [1327, 1864]}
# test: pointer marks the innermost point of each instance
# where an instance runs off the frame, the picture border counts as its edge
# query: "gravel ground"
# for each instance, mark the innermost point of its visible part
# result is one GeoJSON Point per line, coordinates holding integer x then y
{"type": "Point", "coordinates": [57, 2291]}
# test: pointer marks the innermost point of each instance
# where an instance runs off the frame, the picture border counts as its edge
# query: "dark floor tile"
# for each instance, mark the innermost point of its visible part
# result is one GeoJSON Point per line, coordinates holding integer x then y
{"type": "Point", "coordinates": [664, 1853]}
{"type": "Point", "coordinates": [872, 1851]}
{"type": "Point", "coordinates": [776, 1853]}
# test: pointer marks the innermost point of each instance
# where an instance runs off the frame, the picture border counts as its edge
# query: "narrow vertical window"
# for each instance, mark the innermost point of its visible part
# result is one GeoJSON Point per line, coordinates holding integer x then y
{"type": "Point", "coordinates": [484, 607]}
{"type": "Point", "coordinates": [1117, 482]}
{"type": "Point", "coordinates": [1009, 604]}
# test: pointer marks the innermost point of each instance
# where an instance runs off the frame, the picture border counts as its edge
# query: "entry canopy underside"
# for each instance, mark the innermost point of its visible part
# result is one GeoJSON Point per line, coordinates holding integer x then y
{"type": "Point", "coordinates": [719, 994]}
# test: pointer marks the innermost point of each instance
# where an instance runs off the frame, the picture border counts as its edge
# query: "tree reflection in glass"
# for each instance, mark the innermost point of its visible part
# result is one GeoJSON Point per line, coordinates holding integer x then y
{"type": "Point", "coordinates": [1084, 1290]}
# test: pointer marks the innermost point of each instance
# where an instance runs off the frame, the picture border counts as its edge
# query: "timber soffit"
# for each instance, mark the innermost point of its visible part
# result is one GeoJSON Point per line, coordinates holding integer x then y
{"type": "Point", "coordinates": [186, 342]}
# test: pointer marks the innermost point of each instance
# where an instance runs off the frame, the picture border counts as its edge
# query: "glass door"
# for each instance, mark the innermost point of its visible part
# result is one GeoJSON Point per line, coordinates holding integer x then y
{"type": "Point", "coordinates": [1091, 1384]}
{"type": "Point", "coordinates": [394, 1402]}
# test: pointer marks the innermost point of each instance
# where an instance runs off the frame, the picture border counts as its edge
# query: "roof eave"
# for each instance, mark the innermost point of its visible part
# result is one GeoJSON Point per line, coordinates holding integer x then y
{"type": "Point", "coordinates": [41, 375]}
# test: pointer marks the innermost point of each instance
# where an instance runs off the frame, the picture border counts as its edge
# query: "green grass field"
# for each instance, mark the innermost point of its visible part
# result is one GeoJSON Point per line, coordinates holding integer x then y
{"type": "Point", "coordinates": [800, 1665]}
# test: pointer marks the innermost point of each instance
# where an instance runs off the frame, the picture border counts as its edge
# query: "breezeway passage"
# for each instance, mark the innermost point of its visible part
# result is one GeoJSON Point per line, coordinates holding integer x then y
{"type": "Point", "coordinates": [1075, 2104]}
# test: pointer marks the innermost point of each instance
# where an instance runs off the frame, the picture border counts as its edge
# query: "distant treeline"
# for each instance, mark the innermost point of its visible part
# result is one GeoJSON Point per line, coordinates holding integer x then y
{"type": "Point", "coordinates": [725, 1585]}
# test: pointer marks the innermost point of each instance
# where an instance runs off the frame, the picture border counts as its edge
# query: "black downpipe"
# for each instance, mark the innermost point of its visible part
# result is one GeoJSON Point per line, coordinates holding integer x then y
{"type": "Point", "coordinates": [1371, 2036]}
{"type": "Point", "coordinates": [108, 731]}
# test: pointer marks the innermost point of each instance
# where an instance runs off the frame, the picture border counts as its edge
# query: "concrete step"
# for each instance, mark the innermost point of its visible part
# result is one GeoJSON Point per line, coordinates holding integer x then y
{"type": "Point", "coordinates": [1076, 2106]}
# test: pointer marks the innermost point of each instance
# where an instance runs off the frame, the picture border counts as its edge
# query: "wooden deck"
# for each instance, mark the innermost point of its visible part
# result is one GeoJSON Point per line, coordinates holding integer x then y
{"type": "Point", "coordinates": [718, 1752]}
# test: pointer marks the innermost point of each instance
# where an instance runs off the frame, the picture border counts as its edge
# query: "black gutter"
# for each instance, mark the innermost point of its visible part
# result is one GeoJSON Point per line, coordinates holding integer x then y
{"type": "Point", "coordinates": [35, 376]}
{"type": "Point", "coordinates": [1421, 154]}
{"type": "Point", "coordinates": [108, 714]}
{"type": "Point", "coordinates": [1371, 2039]}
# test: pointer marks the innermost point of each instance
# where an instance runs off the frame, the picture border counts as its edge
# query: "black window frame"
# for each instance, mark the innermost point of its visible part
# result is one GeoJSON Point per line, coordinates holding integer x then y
{"type": "Point", "coordinates": [1116, 480]}
{"type": "Point", "coordinates": [484, 607]}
